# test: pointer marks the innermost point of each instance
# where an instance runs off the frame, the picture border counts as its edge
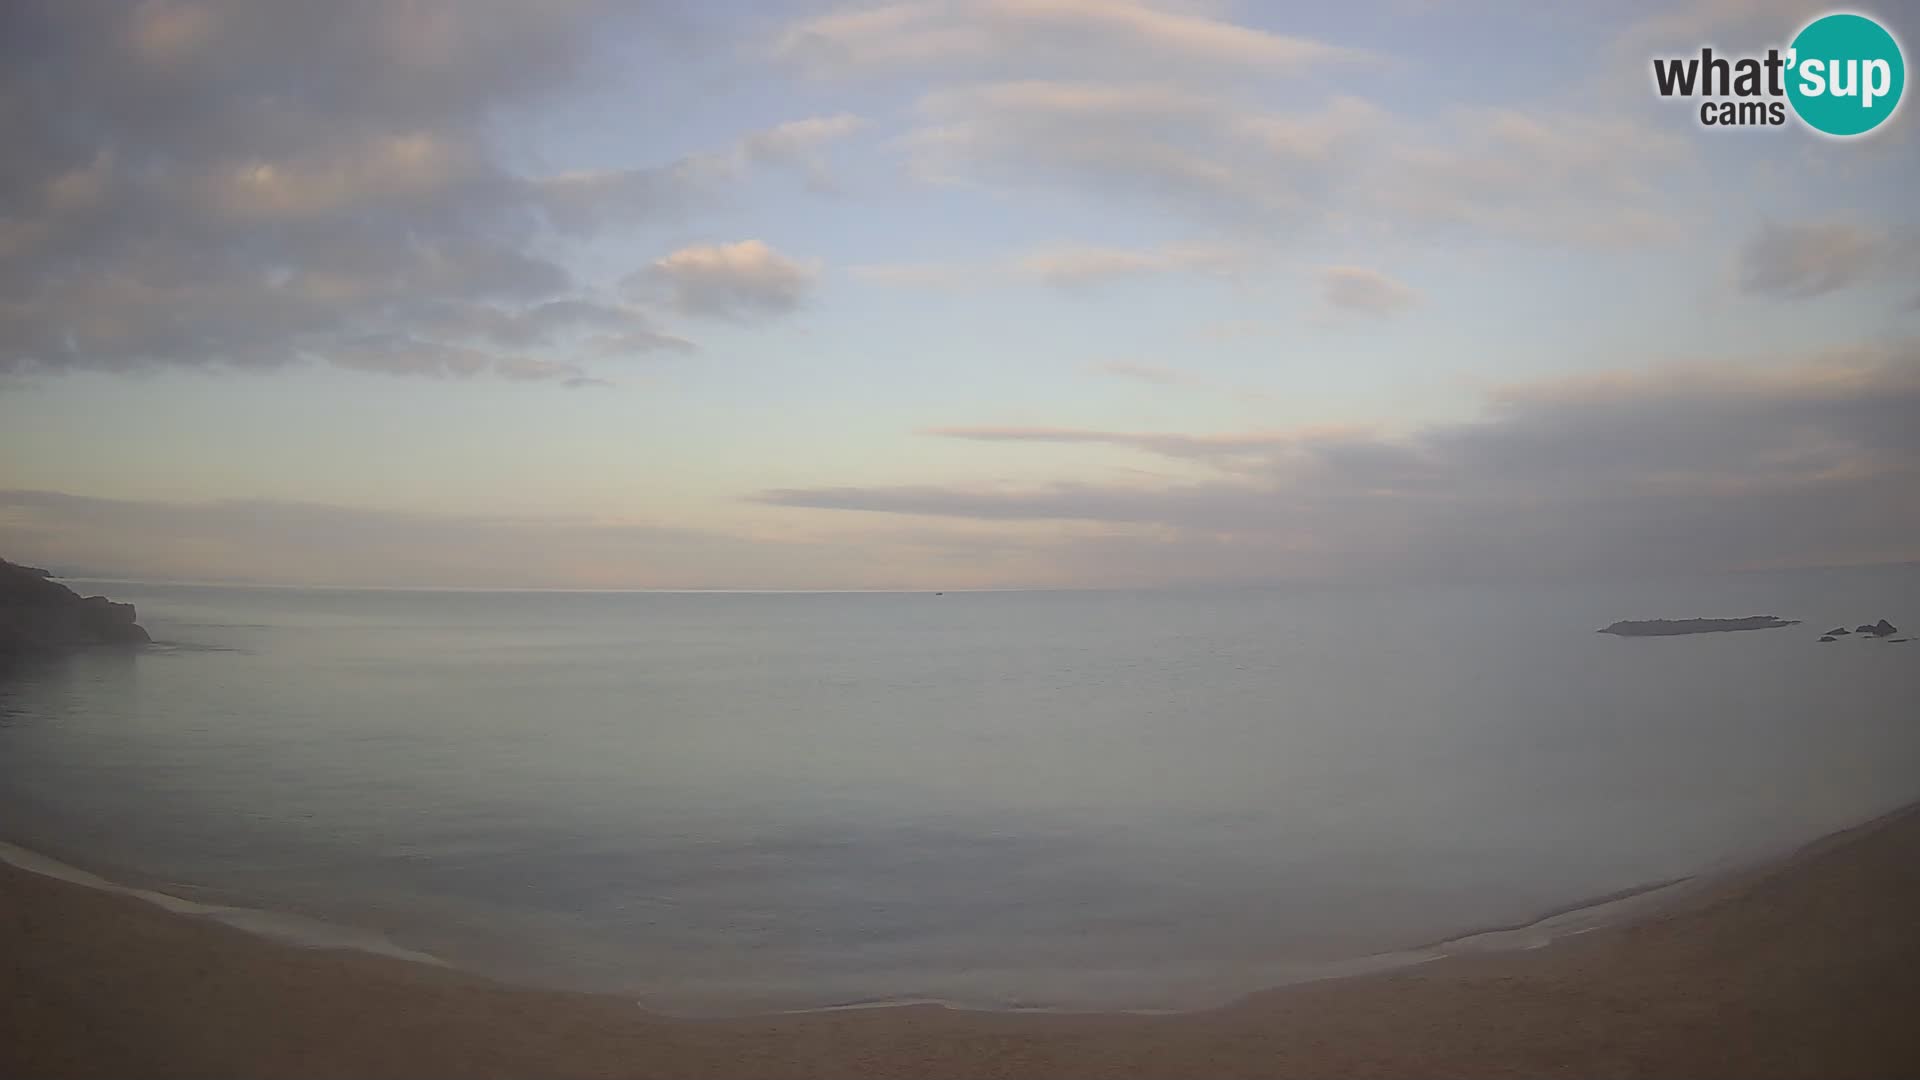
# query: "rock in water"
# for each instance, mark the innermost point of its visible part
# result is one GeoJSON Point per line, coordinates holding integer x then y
{"type": "Point", "coordinates": [1671, 627]}
{"type": "Point", "coordinates": [1883, 628]}
{"type": "Point", "coordinates": [39, 613]}
{"type": "Point", "coordinates": [1839, 631]}
{"type": "Point", "coordinates": [1829, 637]}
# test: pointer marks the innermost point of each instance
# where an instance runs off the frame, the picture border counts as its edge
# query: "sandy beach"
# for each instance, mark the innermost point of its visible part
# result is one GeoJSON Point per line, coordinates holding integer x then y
{"type": "Point", "coordinates": [1806, 967]}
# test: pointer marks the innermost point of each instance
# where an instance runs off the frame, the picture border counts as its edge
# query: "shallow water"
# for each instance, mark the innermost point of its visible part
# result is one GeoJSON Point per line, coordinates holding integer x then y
{"type": "Point", "coordinates": [744, 802]}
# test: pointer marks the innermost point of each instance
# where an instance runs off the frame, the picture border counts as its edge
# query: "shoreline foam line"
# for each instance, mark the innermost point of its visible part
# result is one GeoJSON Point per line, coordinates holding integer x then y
{"type": "Point", "coordinates": [1607, 910]}
{"type": "Point", "coordinates": [1616, 908]}
{"type": "Point", "coordinates": [301, 931]}
{"type": "Point", "coordinates": [284, 928]}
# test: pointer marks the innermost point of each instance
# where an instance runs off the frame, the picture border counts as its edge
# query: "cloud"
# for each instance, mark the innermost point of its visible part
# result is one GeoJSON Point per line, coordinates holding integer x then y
{"type": "Point", "coordinates": [637, 340]}
{"type": "Point", "coordinates": [1671, 469]}
{"type": "Point", "coordinates": [399, 355]}
{"type": "Point", "coordinates": [533, 369]}
{"type": "Point", "coordinates": [1146, 373]}
{"type": "Point", "coordinates": [744, 279]}
{"type": "Point", "coordinates": [1089, 265]}
{"type": "Point", "coordinates": [254, 183]}
{"type": "Point", "coordinates": [1800, 261]}
{"type": "Point", "coordinates": [584, 200]}
{"type": "Point", "coordinates": [801, 144]}
{"type": "Point", "coordinates": [546, 323]}
{"type": "Point", "coordinates": [1208, 155]}
{"type": "Point", "coordinates": [1539, 175]}
{"type": "Point", "coordinates": [1124, 35]}
{"type": "Point", "coordinates": [1365, 292]}
{"type": "Point", "coordinates": [1220, 155]}
{"type": "Point", "coordinates": [279, 541]}
{"type": "Point", "coordinates": [1754, 463]}
{"type": "Point", "coordinates": [292, 542]}
{"type": "Point", "coordinates": [1064, 266]}
{"type": "Point", "coordinates": [1170, 444]}
{"type": "Point", "coordinates": [387, 169]}
{"type": "Point", "coordinates": [1729, 24]}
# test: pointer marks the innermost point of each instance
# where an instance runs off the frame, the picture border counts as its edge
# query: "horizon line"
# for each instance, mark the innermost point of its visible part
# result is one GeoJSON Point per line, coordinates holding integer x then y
{"type": "Point", "coordinates": [120, 579]}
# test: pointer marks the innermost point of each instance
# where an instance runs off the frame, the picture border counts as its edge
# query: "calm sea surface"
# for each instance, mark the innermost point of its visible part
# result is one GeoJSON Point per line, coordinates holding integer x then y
{"type": "Point", "coordinates": [739, 802]}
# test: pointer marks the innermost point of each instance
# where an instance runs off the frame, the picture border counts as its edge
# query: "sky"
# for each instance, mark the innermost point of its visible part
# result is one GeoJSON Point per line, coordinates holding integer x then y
{"type": "Point", "coordinates": [938, 294]}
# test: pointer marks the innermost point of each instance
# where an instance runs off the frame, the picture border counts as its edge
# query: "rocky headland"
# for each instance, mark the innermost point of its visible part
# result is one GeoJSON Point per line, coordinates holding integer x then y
{"type": "Point", "coordinates": [1671, 627]}
{"type": "Point", "coordinates": [38, 613]}
{"type": "Point", "coordinates": [1882, 630]}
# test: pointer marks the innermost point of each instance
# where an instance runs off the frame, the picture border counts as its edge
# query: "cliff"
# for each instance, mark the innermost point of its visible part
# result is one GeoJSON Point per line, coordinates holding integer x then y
{"type": "Point", "coordinates": [39, 613]}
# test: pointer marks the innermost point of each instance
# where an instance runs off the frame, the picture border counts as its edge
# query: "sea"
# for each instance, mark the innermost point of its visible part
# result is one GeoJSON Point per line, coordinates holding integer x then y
{"type": "Point", "coordinates": [732, 803]}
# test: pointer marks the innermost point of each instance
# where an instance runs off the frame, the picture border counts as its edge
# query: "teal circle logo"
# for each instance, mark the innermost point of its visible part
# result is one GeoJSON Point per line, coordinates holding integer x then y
{"type": "Point", "coordinates": [1845, 74]}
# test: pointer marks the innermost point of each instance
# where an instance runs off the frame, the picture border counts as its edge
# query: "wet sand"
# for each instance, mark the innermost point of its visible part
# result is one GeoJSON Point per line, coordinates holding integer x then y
{"type": "Point", "coordinates": [1806, 967]}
